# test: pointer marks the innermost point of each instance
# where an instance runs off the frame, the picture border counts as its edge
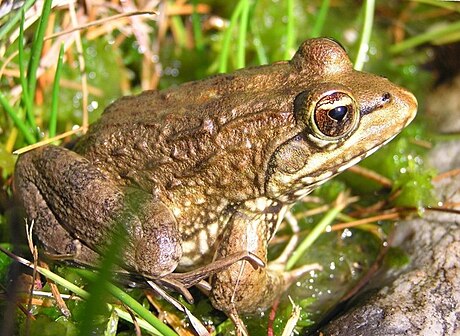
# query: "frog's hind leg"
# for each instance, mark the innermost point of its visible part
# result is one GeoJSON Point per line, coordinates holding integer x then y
{"type": "Point", "coordinates": [70, 198]}
{"type": "Point", "coordinates": [240, 287]}
{"type": "Point", "coordinates": [57, 243]}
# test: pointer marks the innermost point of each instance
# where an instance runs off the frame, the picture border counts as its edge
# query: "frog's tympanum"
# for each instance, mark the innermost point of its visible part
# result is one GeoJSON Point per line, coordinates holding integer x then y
{"type": "Point", "coordinates": [200, 173]}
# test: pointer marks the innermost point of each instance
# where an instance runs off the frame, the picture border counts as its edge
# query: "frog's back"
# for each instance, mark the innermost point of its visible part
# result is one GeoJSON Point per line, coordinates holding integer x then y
{"type": "Point", "coordinates": [217, 96]}
{"type": "Point", "coordinates": [159, 137]}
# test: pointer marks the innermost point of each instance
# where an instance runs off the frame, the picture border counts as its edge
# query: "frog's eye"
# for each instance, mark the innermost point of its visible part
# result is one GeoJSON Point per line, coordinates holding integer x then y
{"type": "Point", "coordinates": [335, 114]}
{"type": "Point", "coordinates": [329, 111]}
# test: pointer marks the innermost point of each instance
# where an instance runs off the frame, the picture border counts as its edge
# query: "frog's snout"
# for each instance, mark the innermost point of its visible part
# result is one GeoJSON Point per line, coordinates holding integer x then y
{"type": "Point", "coordinates": [411, 103]}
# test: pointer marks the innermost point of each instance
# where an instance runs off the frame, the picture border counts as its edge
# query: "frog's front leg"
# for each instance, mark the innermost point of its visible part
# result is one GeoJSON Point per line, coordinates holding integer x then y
{"type": "Point", "coordinates": [71, 200]}
{"type": "Point", "coordinates": [241, 288]}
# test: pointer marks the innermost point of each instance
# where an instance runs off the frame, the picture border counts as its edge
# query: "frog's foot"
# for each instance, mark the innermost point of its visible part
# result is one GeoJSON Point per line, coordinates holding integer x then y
{"type": "Point", "coordinates": [72, 251]}
{"type": "Point", "coordinates": [289, 277]}
{"type": "Point", "coordinates": [292, 243]}
{"type": "Point", "coordinates": [240, 328]}
{"type": "Point", "coordinates": [180, 282]}
{"type": "Point", "coordinates": [75, 251]}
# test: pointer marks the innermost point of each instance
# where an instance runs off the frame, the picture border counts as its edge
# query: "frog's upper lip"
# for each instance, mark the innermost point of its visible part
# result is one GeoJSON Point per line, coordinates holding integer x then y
{"type": "Point", "coordinates": [361, 157]}
{"type": "Point", "coordinates": [412, 100]}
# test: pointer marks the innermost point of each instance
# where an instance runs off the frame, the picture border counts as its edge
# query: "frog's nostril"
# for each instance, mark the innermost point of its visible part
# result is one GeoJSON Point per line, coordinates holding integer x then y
{"type": "Point", "coordinates": [386, 97]}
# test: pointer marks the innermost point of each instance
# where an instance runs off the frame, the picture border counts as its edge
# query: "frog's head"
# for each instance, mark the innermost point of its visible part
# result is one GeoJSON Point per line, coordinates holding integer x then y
{"type": "Point", "coordinates": [342, 116]}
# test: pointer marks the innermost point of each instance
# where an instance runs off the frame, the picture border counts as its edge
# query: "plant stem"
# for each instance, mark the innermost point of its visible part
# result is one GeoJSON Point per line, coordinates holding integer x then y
{"type": "Point", "coordinates": [313, 235]}
{"type": "Point", "coordinates": [242, 32]}
{"type": "Point", "coordinates": [22, 72]}
{"type": "Point", "coordinates": [320, 19]}
{"type": "Point", "coordinates": [223, 57]}
{"type": "Point", "coordinates": [366, 34]}
{"type": "Point", "coordinates": [290, 32]}
{"type": "Point", "coordinates": [35, 54]}
{"type": "Point", "coordinates": [55, 95]}
{"type": "Point", "coordinates": [130, 302]}
{"type": "Point", "coordinates": [425, 37]}
{"type": "Point", "coordinates": [30, 138]}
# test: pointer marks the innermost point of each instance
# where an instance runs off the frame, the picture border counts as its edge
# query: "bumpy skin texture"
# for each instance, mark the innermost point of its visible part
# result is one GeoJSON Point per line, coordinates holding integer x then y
{"type": "Point", "coordinates": [202, 171]}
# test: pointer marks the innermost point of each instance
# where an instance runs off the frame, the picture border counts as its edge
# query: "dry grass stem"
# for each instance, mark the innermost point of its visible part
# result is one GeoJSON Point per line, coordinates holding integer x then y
{"type": "Point", "coordinates": [172, 319]}
{"type": "Point", "coordinates": [389, 216]}
{"type": "Point", "coordinates": [92, 90]}
{"type": "Point", "coordinates": [47, 141]}
{"type": "Point", "coordinates": [422, 143]}
{"type": "Point", "coordinates": [99, 22]}
{"type": "Point", "coordinates": [81, 62]}
{"type": "Point", "coordinates": [7, 61]}
{"type": "Point", "coordinates": [447, 174]}
{"type": "Point", "coordinates": [293, 319]}
{"type": "Point", "coordinates": [371, 175]}
{"type": "Point", "coordinates": [187, 9]}
{"type": "Point", "coordinates": [57, 296]}
{"type": "Point", "coordinates": [137, 328]}
{"type": "Point", "coordinates": [450, 205]}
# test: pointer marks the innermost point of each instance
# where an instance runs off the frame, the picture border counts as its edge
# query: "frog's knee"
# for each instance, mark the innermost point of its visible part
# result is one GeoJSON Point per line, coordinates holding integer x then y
{"type": "Point", "coordinates": [157, 254]}
{"type": "Point", "coordinates": [154, 238]}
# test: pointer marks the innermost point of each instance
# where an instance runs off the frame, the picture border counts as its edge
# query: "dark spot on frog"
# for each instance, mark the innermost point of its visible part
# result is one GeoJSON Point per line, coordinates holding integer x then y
{"type": "Point", "coordinates": [385, 99]}
{"type": "Point", "coordinates": [119, 151]}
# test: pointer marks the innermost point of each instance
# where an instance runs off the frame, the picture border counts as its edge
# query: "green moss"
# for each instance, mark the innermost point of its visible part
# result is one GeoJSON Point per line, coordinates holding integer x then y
{"type": "Point", "coordinates": [46, 326]}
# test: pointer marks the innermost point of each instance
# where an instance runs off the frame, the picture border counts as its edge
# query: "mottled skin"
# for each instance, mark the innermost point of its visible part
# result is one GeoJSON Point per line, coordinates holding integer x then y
{"type": "Point", "coordinates": [202, 171]}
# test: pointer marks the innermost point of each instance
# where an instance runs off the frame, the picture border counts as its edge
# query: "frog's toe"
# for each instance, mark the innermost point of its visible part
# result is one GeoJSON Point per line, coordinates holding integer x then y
{"type": "Point", "coordinates": [291, 276]}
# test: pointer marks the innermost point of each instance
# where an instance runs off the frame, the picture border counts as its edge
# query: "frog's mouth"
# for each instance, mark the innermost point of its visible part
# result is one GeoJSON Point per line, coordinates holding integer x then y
{"type": "Point", "coordinates": [303, 186]}
{"type": "Point", "coordinates": [359, 158]}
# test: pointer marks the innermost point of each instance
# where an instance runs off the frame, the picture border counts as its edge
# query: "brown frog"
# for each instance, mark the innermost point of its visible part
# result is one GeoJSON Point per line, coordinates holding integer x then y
{"type": "Point", "coordinates": [205, 171]}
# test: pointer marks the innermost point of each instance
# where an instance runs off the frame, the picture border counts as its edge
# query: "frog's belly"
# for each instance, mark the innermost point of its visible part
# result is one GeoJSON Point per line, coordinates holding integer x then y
{"type": "Point", "coordinates": [198, 248]}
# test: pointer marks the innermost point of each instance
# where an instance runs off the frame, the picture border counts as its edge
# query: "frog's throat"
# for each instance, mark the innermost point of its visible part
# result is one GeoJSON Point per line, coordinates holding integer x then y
{"type": "Point", "coordinates": [307, 184]}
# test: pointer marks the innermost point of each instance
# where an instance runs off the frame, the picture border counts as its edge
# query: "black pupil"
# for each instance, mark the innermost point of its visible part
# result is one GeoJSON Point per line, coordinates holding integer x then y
{"type": "Point", "coordinates": [338, 113]}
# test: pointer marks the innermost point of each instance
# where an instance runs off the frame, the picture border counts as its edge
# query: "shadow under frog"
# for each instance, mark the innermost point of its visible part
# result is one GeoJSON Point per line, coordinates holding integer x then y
{"type": "Point", "coordinates": [209, 169]}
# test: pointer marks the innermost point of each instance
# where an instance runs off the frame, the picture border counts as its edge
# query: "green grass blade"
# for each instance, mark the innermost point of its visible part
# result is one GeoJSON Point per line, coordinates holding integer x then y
{"type": "Point", "coordinates": [5, 29]}
{"type": "Point", "coordinates": [22, 72]}
{"type": "Point", "coordinates": [131, 303]}
{"type": "Point", "coordinates": [453, 6]}
{"type": "Point", "coordinates": [35, 54]}
{"type": "Point", "coordinates": [196, 24]}
{"type": "Point", "coordinates": [17, 121]}
{"type": "Point", "coordinates": [223, 57]}
{"type": "Point", "coordinates": [320, 19]}
{"type": "Point", "coordinates": [312, 236]}
{"type": "Point", "coordinates": [95, 304]}
{"type": "Point", "coordinates": [262, 57]}
{"type": "Point", "coordinates": [85, 295]}
{"type": "Point", "coordinates": [290, 31]}
{"type": "Point", "coordinates": [55, 95]}
{"type": "Point", "coordinates": [366, 35]}
{"type": "Point", "coordinates": [142, 323]}
{"type": "Point", "coordinates": [242, 33]}
{"type": "Point", "coordinates": [179, 29]}
{"type": "Point", "coordinates": [429, 36]}
{"type": "Point", "coordinates": [63, 282]}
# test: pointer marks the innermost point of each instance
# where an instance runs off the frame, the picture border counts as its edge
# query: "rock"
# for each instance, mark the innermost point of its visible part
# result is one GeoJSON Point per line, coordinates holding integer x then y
{"type": "Point", "coordinates": [443, 106]}
{"type": "Point", "coordinates": [425, 299]}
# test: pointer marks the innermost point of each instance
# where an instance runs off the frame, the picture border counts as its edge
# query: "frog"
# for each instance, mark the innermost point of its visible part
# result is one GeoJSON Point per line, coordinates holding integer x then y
{"type": "Point", "coordinates": [202, 173]}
